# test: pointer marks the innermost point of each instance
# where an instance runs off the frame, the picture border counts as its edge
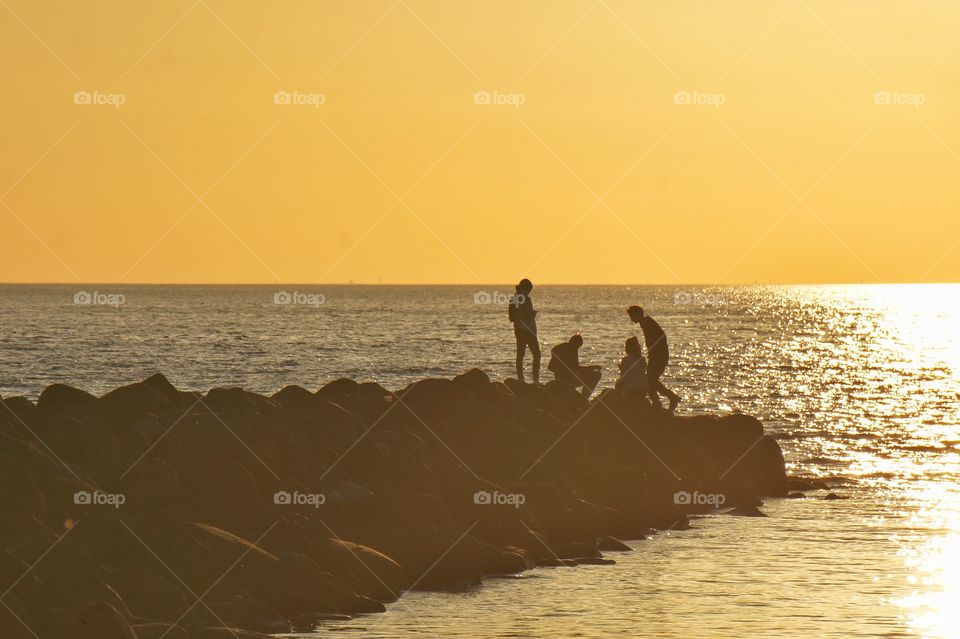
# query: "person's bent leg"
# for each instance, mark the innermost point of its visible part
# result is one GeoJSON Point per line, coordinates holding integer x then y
{"type": "Point", "coordinates": [658, 364]}
{"type": "Point", "coordinates": [654, 371]}
{"type": "Point", "coordinates": [669, 394]}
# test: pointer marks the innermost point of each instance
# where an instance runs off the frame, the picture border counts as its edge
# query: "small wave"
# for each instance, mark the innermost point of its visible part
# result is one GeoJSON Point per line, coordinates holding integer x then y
{"type": "Point", "coordinates": [930, 448]}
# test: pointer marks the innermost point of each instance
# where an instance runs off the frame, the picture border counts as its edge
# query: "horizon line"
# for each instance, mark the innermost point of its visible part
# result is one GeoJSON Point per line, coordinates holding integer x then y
{"type": "Point", "coordinates": [474, 284]}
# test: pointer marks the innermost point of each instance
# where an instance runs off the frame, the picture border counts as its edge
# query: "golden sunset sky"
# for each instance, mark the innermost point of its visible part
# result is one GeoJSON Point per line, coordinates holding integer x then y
{"type": "Point", "coordinates": [617, 141]}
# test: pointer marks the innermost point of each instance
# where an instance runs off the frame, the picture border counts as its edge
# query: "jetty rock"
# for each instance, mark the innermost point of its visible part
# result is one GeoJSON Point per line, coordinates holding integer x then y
{"type": "Point", "coordinates": [309, 505]}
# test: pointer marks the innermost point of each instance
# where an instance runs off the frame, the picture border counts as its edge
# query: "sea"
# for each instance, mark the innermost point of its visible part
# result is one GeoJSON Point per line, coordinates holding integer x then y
{"type": "Point", "coordinates": [859, 383]}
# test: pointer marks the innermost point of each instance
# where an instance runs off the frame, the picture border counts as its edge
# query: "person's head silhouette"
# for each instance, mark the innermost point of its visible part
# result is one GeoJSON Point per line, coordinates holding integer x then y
{"type": "Point", "coordinates": [633, 347]}
{"type": "Point", "coordinates": [635, 313]}
{"type": "Point", "coordinates": [577, 340]}
{"type": "Point", "coordinates": [524, 287]}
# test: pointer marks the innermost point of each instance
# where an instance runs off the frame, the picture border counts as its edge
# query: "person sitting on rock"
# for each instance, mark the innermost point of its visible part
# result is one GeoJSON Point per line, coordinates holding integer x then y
{"type": "Point", "coordinates": [523, 316]}
{"type": "Point", "coordinates": [633, 371]}
{"type": "Point", "coordinates": [565, 364]}
{"type": "Point", "coordinates": [659, 355]}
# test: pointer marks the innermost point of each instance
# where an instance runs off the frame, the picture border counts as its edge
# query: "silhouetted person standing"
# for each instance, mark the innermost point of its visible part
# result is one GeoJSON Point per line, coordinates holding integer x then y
{"type": "Point", "coordinates": [524, 320]}
{"type": "Point", "coordinates": [658, 354]}
{"type": "Point", "coordinates": [565, 364]}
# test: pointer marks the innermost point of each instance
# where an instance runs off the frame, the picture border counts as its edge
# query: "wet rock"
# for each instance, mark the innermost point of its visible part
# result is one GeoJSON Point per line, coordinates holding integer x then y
{"type": "Point", "coordinates": [746, 511]}
{"type": "Point", "coordinates": [242, 611]}
{"type": "Point", "coordinates": [378, 576]}
{"type": "Point", "coordinates": [299, 586]}
{"type": "Point", "coordinates": [553, 562]}
{"type": "Point", "coordinates": [594, 561]}
{"type": "Point", "coordinates": [309, 621]}
{"type": "Point", "coordinates": [612, 544]}
{"type": "Point", "coordinates": [801, 485]}
{"type": "Point", "coordinates": [834, 496]}
{"type": "Point", "coordinates": [575, 550]}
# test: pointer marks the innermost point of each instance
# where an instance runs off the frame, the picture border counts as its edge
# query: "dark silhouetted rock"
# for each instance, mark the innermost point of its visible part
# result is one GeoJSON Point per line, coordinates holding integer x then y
{"type": "Point", "coordinates": [434, 487]}
{"type": "Point", "coordinates": [59, 398]}
{"type": "Point", "coordinates": [611, 544]}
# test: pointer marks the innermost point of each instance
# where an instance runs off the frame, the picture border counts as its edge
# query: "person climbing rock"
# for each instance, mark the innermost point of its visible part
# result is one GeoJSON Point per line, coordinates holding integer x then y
{"type": "Point", "coordinates": [658, 354]}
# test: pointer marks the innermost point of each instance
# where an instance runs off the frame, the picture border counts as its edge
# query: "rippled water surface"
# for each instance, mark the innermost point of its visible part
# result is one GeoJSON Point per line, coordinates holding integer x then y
{"type": "Point", "coordinates": [861, 384]}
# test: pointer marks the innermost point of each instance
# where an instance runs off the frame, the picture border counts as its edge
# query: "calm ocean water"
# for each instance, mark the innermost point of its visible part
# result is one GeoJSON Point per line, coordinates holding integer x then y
{"type": "Point", "coordinates": [861, 384]}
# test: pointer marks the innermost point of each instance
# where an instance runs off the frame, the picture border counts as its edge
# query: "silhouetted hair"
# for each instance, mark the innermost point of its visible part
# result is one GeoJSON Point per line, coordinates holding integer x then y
{"type": "Point", "coordinates": [576, 339]}
{"type": "Point", "coordinates": [635, 312]}
{"type": "Point", "coordinates": [633, 346]}
{"type": "Point", "coordinates": [525, 286]}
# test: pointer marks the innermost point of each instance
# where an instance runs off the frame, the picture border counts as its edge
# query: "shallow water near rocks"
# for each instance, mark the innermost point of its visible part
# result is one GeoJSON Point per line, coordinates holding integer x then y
{"type": "Point", "coordinates": [861, 385]}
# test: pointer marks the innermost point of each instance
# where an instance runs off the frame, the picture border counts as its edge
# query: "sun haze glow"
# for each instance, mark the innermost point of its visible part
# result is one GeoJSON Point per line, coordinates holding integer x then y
{"type": "Point", "coordinates": [405, 141]}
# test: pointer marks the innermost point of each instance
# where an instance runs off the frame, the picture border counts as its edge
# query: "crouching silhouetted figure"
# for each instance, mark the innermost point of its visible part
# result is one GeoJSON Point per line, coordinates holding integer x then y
{"type": "Point", "coordinates": [633, 371]}
{"type": "Point", "coordinates": [565, 365]}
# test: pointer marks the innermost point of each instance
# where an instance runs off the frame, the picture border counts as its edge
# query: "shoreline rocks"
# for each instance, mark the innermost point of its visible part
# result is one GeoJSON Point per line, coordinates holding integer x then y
{"type": "Point", "coordinates": [158, 511]}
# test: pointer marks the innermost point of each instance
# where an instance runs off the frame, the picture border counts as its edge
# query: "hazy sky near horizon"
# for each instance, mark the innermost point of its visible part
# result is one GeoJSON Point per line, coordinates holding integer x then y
{"type": "Point", "coordinates": [436, 141]}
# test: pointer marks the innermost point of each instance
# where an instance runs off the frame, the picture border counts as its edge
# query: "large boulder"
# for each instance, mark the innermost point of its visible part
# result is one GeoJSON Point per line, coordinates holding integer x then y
{"type": "Point", "coordinates": [125, 405]}
{"type": "Point", "coordinates": [60, 398]}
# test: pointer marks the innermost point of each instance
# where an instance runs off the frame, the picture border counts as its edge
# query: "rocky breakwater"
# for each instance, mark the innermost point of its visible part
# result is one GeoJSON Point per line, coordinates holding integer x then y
{"type": "Point", "coordinates": [152, 512]}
